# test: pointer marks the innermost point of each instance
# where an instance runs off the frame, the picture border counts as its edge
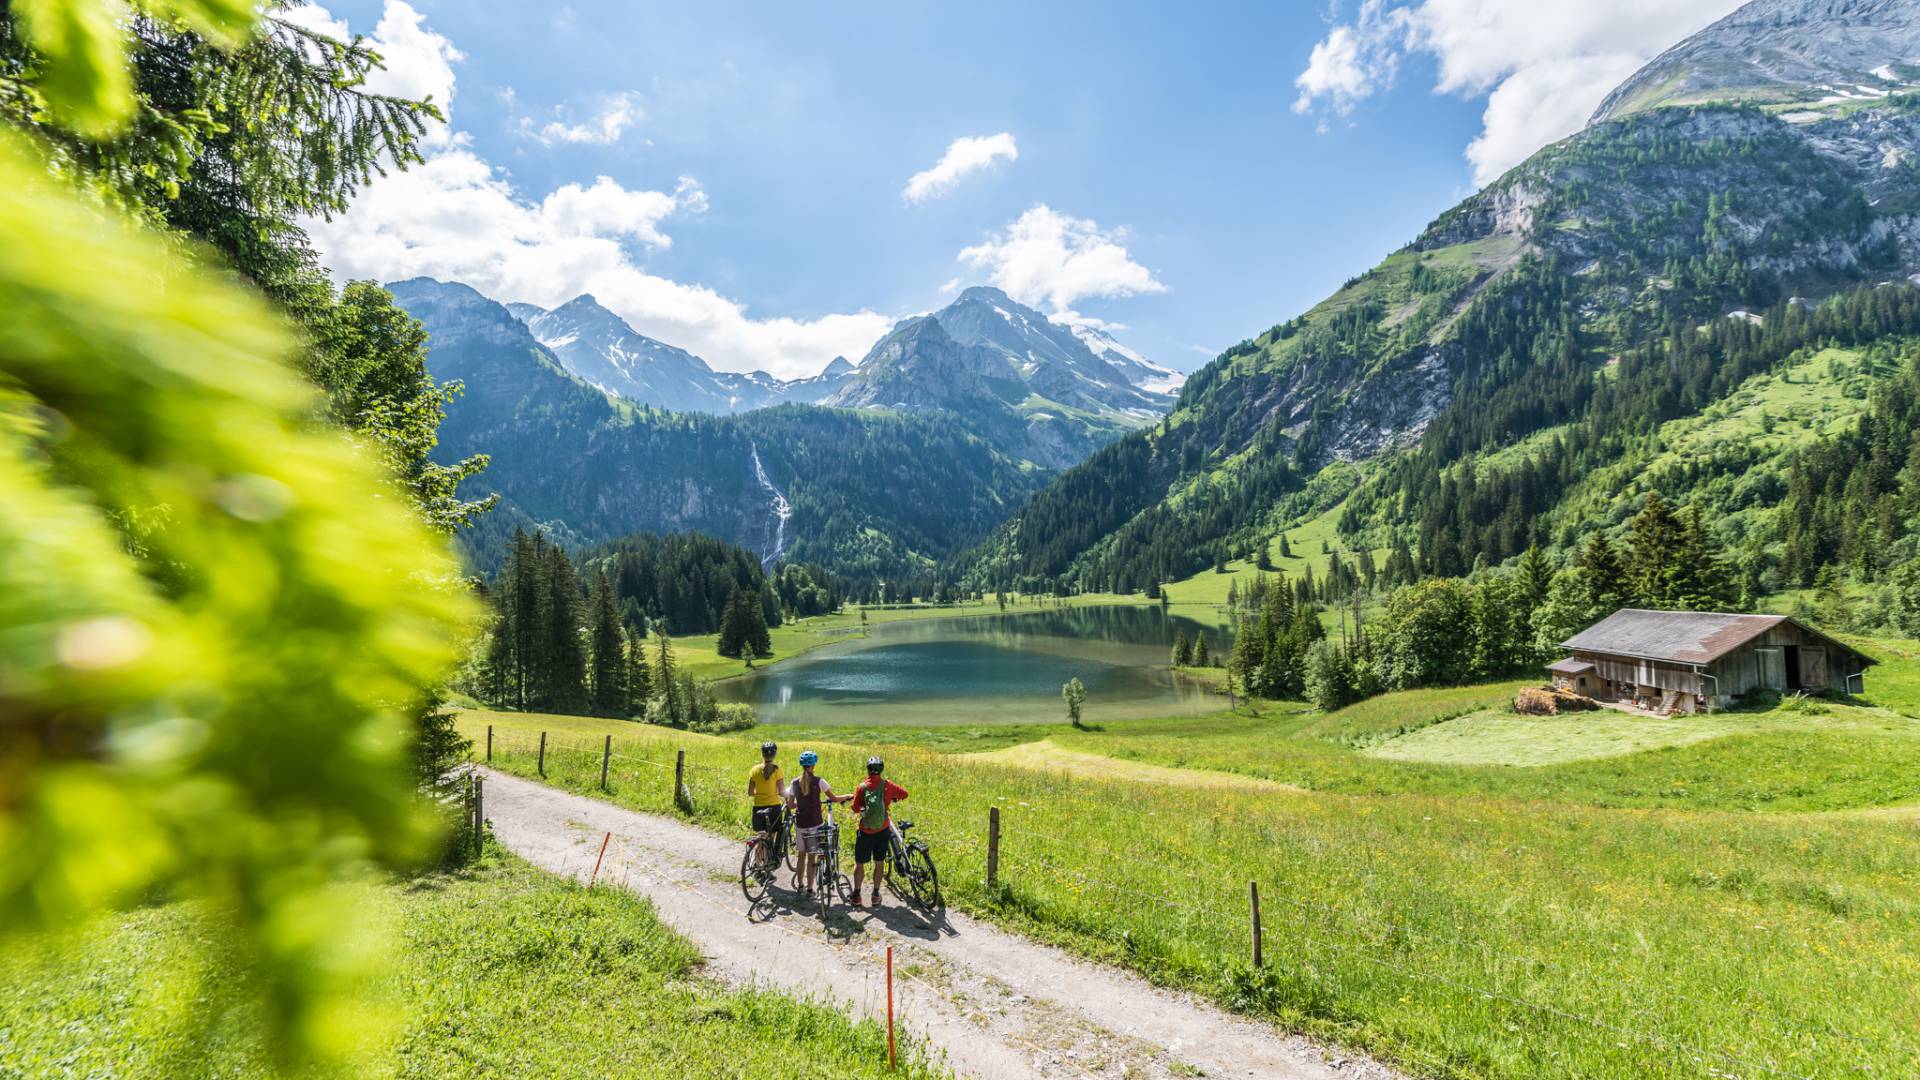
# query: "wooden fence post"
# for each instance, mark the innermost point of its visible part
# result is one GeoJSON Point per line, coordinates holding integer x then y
{"type": "Point", "coordinates": [1253, 887]}
{"type": "Point", "coordinates": [541, 766]}
{"type": "Point", "coordinates": [680, 781]}
{"type": "Point", "coordinates": [479, 812]}
{"type": "Point", "coordinates": [605, 757]}
{"type": "Point", "coordinates": [993, 847]}
{"type": "Point", "coordinates": [489, 742]}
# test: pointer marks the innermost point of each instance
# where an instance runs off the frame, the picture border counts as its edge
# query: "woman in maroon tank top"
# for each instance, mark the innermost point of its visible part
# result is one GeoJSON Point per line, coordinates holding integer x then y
{"type": "Point", "coordinates": [804, 796]}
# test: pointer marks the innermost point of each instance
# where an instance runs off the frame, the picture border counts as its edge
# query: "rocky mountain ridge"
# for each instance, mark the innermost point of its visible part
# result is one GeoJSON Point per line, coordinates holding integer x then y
{"type": "Point", "coordinates": [602, 349]}
{"type": "Point", "coordinates": [870, 496]}
{"type": "Point", "coordinates": [1783, 51]}
{"type": "Point", "coordinates": [1022, 379]}
{"type": "Point", "coordinates": [1069, 388]}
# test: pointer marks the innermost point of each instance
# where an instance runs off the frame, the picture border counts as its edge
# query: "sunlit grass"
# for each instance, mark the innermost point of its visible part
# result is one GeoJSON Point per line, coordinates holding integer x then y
{"type": "Point", "coordinates": [499, 970]}
{"type": "Point", "coordinates": [1831, 757]}
{"type": "Point", "coordinates": [1504, 737]}
{"type": "Point", "coordinates": [1387, 715]}
{"type": "Point", "coordinates": [1478, 927]}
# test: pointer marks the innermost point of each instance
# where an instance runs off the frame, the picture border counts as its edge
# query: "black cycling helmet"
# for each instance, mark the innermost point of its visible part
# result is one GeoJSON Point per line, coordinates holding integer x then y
{"type": "Point", "coordinates": [768, 748]}
{"type": "Point", "coordinates": [874, 765]}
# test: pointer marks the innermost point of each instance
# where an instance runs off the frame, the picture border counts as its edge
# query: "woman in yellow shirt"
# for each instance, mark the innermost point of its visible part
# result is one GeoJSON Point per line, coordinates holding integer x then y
{"type": "Point", "coordinates": [766, 785]}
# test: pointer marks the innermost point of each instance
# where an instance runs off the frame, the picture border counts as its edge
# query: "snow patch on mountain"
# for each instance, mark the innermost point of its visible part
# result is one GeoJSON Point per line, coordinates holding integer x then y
{"type": "Point", "coordinates": [1142, 372]}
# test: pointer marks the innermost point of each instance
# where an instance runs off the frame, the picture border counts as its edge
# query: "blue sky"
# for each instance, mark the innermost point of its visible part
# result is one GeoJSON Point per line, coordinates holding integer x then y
{"type": "Point", "coordinates": [1191, 173]}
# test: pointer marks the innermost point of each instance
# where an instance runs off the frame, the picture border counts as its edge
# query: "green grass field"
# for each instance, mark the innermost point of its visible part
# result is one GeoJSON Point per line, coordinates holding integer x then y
{"type": "Point", "coordinates": [1502, 737]}
{"type": "Point", "coordinates": [500, 970]}
{"type": "Point", "coordinates": [1472, 921]}
{"type": "Point", "coordinates": [1388, 715]}
{"type": "Point", "coordinates": [1835, 758]}
{"type": "Point", "coordinates": [1894, 682]}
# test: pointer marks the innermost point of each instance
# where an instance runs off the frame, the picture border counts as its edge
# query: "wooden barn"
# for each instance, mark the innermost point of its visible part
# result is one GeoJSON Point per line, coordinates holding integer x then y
{"type": "Point", "coordinates": [1684, 661]}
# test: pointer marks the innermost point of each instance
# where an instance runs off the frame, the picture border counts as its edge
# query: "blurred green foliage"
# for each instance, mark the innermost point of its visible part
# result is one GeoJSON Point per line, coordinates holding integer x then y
{"type": "Point", "coordinates": [215, 614]}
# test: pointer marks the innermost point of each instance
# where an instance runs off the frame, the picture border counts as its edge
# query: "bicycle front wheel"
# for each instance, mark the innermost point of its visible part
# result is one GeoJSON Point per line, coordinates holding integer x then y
{"type": "Point", "coordinates": [756, 871]}
{"type": "Point", "coordinates": [788, 849]}
{"type": "Point", "coordinates": [922, 879]}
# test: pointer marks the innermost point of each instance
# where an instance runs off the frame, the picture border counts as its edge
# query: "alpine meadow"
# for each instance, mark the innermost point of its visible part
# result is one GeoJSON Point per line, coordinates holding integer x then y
{"type": "Point", "coordinates": [616, 540]}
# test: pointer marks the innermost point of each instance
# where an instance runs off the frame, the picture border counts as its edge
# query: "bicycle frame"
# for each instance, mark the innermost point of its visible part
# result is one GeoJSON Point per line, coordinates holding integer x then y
{"type": "Point", "coordinates": [827, 856]}
{"type": "Point", "coordinates": [896, 848]}
{"type": "Point", "coordinates": [776, 839]}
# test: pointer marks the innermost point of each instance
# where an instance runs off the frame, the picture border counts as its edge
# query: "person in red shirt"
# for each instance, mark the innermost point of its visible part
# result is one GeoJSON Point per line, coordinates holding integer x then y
{"type": "Point", "coordinates": [871, 801]}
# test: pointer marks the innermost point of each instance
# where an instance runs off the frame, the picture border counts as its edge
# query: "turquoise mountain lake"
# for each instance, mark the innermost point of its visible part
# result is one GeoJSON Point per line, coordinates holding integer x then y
{"type": "Point", "coordinates": [986, 669]}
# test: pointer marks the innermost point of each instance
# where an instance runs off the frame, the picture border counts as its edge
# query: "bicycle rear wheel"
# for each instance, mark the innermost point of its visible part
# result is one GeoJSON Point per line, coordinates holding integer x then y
{"type": "Point", "coordinates": [756, 871]}
{"type": "Point", "coordinates": [922, 879]}
{"type": "Point", "coordinates": [826, 884]}
{"type": "Point", "coordinates": [788, 849]}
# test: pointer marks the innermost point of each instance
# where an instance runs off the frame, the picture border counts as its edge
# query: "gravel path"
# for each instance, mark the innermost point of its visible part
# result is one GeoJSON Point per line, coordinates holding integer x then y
{"type": "Point", "coordinates": [996, 1004]}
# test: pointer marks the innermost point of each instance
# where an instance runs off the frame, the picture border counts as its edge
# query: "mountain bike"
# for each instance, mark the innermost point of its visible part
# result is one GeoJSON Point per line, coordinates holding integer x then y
{"type": "Point", "coordinates": [828, 880]}
{"type": "Point", "coordinates": [762, 859]}
{"type": "Point", "coordinates": [913, 866]}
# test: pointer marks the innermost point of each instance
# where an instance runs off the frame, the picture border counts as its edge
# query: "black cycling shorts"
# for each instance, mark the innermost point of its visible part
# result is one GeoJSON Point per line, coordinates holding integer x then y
{"type": "Point", "coordinates": [766, 819]}
{"type": "Point", "coordinates": [871, 846]}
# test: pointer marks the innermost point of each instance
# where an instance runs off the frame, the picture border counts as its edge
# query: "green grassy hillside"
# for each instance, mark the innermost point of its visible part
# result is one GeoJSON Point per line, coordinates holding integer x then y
{"type": "Point", "coordinates": [1627, 310]}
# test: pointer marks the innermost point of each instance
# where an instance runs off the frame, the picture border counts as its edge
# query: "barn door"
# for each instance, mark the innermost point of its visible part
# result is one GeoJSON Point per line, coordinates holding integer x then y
{"type": "Point", "coordinates": [1813, 667]}
{"type": "Point", "coordinates": [1773, 668]}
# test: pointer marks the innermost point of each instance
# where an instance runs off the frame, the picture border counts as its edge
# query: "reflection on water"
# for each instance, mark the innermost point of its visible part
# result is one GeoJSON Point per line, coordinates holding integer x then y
{"type": "Point", "coordinates": [989, 669]}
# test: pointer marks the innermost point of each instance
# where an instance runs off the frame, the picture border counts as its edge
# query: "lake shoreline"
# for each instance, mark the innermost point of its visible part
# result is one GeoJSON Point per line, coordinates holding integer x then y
{"type": "Point", "coordinates": [950, 668]}
{"type": "Point", "coordinates": [923, 612]}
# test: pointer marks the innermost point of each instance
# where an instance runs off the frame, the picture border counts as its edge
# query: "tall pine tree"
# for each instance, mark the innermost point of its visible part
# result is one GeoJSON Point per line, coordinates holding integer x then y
{"type": "Point", "coordinates": [1653, 540]}
{"type": "Point", "coordinates": [609, 652]}
{"type": "Point", "coordinates": [663, 676]}
{"type": "Point", "coordinates": [561, 651]}
{"type": "Point", "coordinates": [1606, 577]}
{"type": "Point", "coordinates": [639, 678]}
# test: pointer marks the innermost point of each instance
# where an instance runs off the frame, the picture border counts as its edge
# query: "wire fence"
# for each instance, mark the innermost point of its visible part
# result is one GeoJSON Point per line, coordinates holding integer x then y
{"type": "Point", "coordinates": [1038, 877]}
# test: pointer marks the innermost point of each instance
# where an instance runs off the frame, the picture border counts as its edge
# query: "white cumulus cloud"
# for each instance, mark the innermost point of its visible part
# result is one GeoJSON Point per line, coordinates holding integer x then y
{"type": "Point", "coordinates": [1046, 258]}
{"type": "Point", "coordinates": [1543, 65]}
{"type": "Point", "coordinates": [604, 128]}
{"type": "Point", "coordinates": [968, 154]}
{"type": "Point", "coordinates": [1354, 61]}
{"type": "Point", "coordinates": [458, 218]}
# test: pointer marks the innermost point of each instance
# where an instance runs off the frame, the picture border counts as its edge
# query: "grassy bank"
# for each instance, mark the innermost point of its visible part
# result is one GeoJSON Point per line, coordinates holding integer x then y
{"type": "Point", "coordinates": [500, 970]}
{"type": "Point", "coordinates": [1459, 926]}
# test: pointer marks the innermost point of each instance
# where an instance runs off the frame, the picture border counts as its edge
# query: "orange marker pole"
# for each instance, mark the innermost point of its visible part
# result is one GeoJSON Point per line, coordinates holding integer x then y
{"type": "Point", "coordinates": [889, 1006]}
{"type": "Point", "coordinates": [596, 863]}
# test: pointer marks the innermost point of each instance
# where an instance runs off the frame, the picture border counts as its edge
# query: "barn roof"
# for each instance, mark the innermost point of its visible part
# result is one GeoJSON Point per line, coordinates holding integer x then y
{"type": "Point", "coordinates": [1569, 666]}
{"type": "Point", "coordinates": [1683, 637]}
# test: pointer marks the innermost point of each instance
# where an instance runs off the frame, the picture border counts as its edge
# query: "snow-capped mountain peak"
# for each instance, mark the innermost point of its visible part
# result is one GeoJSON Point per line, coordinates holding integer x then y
{"type": "Point", "coordinates": [600, 348]}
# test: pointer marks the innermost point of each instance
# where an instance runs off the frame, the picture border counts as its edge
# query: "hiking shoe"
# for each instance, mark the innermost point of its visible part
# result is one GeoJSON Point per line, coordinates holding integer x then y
{"type": "Point", "coordinates": [854, 900]}
{"type": "Point", "coordinates": [875, 900]}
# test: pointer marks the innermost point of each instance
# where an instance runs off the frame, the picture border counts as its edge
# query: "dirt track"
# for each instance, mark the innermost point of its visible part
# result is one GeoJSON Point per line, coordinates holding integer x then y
{"type": "Point", "coordinates": [995, 1004]}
